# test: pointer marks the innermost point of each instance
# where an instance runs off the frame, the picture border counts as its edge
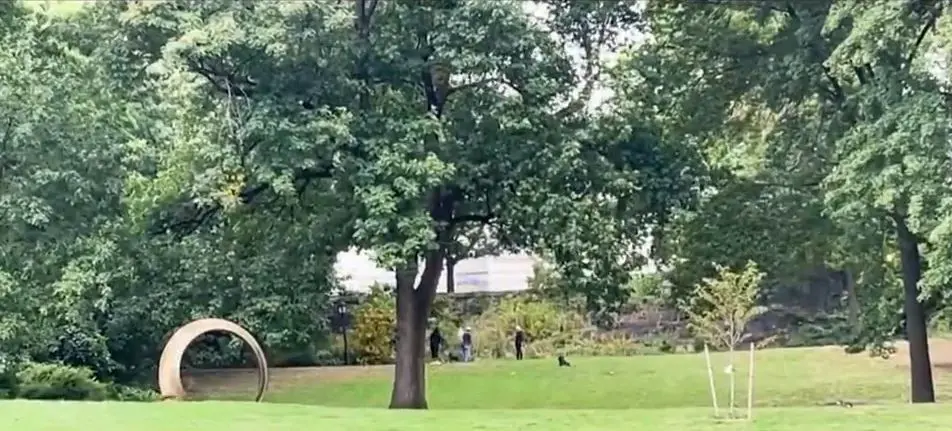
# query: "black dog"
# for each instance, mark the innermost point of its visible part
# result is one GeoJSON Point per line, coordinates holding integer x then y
{"type": "Point", "coordinates": [563, 362]}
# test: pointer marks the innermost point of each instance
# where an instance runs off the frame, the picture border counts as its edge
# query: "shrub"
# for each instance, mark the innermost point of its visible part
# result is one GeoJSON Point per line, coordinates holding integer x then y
{"type": "Point", "coordinates": [649, 291]}
{"type": "Point", "coordinates": [81, 346]}
{"type": "Point", "coordinates": [328, 358]}
{"type": "Point", "coordinates": [58, 382]}
{"type": "Point", "coordinates": [442, 311]}
{"type": "Point", "coordinates": [131, 393]}
{"type": "Point", "coordinates": [611, 345]}
{"type": "Point", "coordinates": [548, 284]}
{"type": "Point", "coordinates": [8, 385]}
{"type": "Point", "coordinates": [546, 325]}
{"type": "Point", "coordinates": [374, 325]}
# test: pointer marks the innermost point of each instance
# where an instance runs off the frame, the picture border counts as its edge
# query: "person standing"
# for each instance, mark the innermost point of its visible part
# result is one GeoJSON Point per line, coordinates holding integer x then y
{"type": "Point", "coordinates": [520, 342]}
{"type": "Point", "coordinates": [436, 342]}
{"type": "Point", "coordinates": [467, 344]}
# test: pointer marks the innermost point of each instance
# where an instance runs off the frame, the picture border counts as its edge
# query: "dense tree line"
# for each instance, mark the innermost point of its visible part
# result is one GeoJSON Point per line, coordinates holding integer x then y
{"type": "Point", "coordinates": [165, 160]}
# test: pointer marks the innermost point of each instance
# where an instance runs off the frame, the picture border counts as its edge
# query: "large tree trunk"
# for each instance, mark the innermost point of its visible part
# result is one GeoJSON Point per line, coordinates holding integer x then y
{"type": "Point", "coordinates": [920, 365]}
{"type": "Point", "coordinates": [413, 310]}
{"type": "Point", "coordinates": [450, 275]}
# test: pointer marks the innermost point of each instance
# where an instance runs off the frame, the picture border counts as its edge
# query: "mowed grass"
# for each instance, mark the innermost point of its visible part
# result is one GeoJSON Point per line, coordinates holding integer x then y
{"type": "Point", "coordinates": [596, 394]}
{"type": "Point", "coordinates": [783, 378]}
{"type": "Point", "coordinates": [237, 416]}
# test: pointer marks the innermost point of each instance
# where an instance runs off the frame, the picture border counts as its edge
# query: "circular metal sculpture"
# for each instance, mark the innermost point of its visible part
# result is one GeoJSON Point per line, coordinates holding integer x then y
{"type": "Point", "coordinates": [170, 375]}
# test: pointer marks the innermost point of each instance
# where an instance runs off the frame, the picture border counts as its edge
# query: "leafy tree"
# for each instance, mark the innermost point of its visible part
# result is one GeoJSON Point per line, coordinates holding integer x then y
{"type": "Point", "coordinates": [58, 195]}
{"type": "Point", "coordinates": [722, 308]}
{"type": "Point", "coordinates": [398, 126]}
{"type": "Point", "coordinates": [88, 275]}
{"type": "Point", "coordinates": [845, 87]}
{"type": "Point", "coordinates": [374, 324]}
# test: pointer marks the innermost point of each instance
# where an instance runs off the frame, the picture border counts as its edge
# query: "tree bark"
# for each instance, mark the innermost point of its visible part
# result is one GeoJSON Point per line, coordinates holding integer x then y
{"type": "Point", "coordinates": [450, 275]}
{"type": "Point", "coordinates": [413, 310]}
{"type": "Point", "coordinates": [920, 364]}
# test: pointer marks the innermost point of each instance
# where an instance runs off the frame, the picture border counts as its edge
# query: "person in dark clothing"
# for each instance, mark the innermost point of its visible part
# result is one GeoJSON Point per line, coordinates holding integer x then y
{"type": "Point", "coordinates": [563, 362]}
{"type": "Point", "coordinates": [520, 341]}
{"type": "Point", "coordinates": [467, 346]}
{"type": "Point", "coordinates": [436, 341]}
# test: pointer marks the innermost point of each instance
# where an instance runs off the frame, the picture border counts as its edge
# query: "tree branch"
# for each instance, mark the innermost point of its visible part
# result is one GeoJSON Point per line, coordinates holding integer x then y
{"type": "Point", "coordinates": [193, 215]}
{"type": "Point", "coordinates": [473, 218]}
{"type": "Point", "coordinates": [930, 24]}
{"type": "Point", "coordinates": [4, 162]}
{"type": "Point", "coordinates": [480, 83]}
{"type": "Point", "coordinates": [232, 81]}
{"type": "Point", "coordinates": [860, 72]}
{"type": "Point", "coordinates": [837, 91]}
{"type": "Point", "coordinates": [789, 185]}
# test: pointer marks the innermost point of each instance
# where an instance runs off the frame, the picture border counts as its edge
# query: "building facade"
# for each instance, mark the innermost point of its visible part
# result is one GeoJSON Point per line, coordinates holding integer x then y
{"type": "Point", "coordinates": [503, 273]}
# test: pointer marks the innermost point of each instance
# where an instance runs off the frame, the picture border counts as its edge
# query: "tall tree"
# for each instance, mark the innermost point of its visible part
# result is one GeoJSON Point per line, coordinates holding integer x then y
{"type": "Point", "coordinates": [838, 76]}
{"type": "Point", "coordinates": [417, 121]}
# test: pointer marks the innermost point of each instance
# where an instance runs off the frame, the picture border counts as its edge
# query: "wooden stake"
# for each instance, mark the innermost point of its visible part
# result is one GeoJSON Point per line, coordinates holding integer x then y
{"type": "Point", "coordinates": [710, 378]}
{"type": "Point", "coordinates": [750, 384]}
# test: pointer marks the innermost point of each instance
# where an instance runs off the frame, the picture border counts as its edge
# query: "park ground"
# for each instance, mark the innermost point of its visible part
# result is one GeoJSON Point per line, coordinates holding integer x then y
{"type": "Point", "coordinates": [793, 390]}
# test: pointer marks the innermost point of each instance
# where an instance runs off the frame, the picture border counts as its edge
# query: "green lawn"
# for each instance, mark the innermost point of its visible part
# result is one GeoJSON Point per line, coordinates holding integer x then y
{"type": "Point", "coordinates": [223, 416]}
{"type": "Point", "coordinates": [784, 378]}
{"type": "Point", "coordinates": [597, 394]}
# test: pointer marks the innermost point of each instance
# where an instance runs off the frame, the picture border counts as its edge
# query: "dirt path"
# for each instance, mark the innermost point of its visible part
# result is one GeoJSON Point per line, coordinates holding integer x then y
{"type": "Point", "coordinates": [940, 351]}
{"type": "Point", "coordinates": [244, 379]}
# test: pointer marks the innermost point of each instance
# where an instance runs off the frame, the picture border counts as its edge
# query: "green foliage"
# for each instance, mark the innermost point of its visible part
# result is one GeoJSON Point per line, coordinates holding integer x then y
{"type": "Point", "coordinates": [59, 382]}
{"type": "Point", "coordinates": [722, 306]}
{"type": "Point", "coordinates": [548, 283]}
{"type": "Point", "coordinates": [217, 158]}
{"type": "Point", "coordinates": [131, 393]}
{"type": "Point", "coordinates": [547, 327]}
{"type": "Point", "coordinates": [374, 324]}
{"type": "Point", "coordinates": [650, 290]}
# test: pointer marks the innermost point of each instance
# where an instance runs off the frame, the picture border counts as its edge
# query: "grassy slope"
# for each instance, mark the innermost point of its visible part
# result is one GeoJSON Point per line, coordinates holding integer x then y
{"type": "Point", "coordinates": [222, 416]}
{"type": "Point", "coordinates": [784, 378]}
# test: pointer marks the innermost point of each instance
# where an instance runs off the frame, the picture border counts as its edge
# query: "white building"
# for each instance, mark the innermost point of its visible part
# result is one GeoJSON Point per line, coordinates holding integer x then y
{"type": "Point", "coordinates": [486, 274]}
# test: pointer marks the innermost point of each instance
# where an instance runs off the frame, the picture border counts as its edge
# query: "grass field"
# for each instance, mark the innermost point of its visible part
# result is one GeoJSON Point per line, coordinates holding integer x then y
{"type": "Point", "coordinates": [224, 416]}
{"type": "Point", "coordinates": [784, 378]}
{"type": "Point", "coordinates": [604, 394]}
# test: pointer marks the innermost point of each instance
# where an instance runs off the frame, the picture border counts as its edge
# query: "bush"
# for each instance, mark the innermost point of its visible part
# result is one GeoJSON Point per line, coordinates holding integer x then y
{"type": "Point", "coordinates": [58, 382]}
{"type": "Point", "coordinates": [8, 385]}
{"type": "Point", "coordinates": [613, 345]}
{"type": "Point", "coordinates": [328, 358]}
{"type": "Point", "coordinates": [649, 291]}
{"type": "Point", "coordinates": [131, 393]}
{"type": "Point", "coordinates": [81, 346]}
{"type": "Point", "coordinates": [546, 326]}
{"type": "Point", "coordinates": [374, 326]}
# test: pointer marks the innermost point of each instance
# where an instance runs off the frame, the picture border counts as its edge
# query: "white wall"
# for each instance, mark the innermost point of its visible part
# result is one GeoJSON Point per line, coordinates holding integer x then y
{"type": "Point", "coordinates": [485, 274]}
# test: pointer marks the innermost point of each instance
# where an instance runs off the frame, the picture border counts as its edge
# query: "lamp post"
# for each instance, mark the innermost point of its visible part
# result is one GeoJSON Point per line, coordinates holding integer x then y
{"type": "Point", "coordinates": [342, 319]}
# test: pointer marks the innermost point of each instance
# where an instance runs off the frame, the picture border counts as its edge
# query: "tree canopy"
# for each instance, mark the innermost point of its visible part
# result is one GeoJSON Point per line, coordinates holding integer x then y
{"type": "Point", "coordinates": [170, 159]}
